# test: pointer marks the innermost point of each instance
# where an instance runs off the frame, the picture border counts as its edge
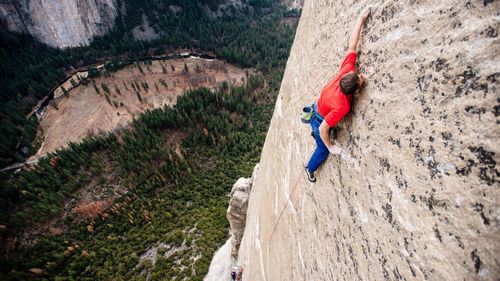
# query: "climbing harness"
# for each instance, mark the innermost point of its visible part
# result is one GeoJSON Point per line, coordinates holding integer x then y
{"type": "Point", "coordinates": [316, 112]}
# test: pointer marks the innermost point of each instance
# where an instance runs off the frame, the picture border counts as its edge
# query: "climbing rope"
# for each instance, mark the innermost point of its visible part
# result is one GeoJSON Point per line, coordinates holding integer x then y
{"type": "Point", "coordinates": [343, 154]}
{"type": "Point", "coordinates": [286, 204]}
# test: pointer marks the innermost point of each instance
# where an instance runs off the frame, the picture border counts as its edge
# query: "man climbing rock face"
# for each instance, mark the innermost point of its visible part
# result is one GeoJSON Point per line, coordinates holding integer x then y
{"type": "Point", "coordinates": [335, 102]}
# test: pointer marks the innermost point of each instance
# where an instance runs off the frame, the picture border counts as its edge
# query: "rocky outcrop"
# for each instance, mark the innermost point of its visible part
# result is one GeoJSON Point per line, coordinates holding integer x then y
{"type": "Point", "coordinates": [59, 23]}
{"type": "Point", "coordinates": [237, 211]}
{"type": "Point", "coordinates": [226, 256]}
{"type": "Point", "coordinates": [417, 197]}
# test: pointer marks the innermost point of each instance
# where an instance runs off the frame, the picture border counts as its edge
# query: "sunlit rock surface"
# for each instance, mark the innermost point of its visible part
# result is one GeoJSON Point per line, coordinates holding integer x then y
{"type": "Point", "coordinates": [57, 23]}
{"type": "Point", "coordinates": [417, 198]}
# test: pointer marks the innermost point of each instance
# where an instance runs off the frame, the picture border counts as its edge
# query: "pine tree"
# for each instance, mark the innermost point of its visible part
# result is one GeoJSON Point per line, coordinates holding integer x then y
{"type": "Point", "coordinates": [108, 99]}
{"type": "Point", "coordinates": [105, 88]}
{"type": "Point", "coordinates": [96, 88]}
{"type": "Point", "coordinates": [138, 64]}
{"type": "Point", "coordinates": [117, 90]}
{"type": "Point", "coordinates": [138, 96]}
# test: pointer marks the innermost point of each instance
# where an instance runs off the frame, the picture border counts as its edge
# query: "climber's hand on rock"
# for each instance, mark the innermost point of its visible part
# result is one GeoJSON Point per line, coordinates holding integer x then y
{"type": "Point", "coordinates": [366, 13]}
{"type": "Point", "coordinates": [361, 80]}
{"type": "Point", "coordinates": [335, 149]}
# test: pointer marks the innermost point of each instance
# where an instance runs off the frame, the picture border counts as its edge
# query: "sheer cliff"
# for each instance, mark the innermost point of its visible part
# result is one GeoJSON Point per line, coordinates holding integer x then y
{"type": "Point", "coordinates": [59, 23]}
{"type": "Point", "coordinates": [417, 196]}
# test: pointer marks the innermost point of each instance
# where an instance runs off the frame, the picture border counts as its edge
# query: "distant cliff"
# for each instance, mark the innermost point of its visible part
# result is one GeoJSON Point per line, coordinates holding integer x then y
{"type": "Point", "coordinates": [59, 23]}
{"type": "Point", "coordinates": [418, 196]}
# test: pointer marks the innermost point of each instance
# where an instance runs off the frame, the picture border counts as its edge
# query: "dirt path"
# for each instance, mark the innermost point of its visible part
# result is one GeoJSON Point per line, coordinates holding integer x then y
{"type": "Point", "coordinates": [110, 103]}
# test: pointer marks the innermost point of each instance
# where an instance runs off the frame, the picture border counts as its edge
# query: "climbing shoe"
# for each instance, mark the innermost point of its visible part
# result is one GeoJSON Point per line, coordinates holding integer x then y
{"type": "Point", "coordinates": [310, 175]}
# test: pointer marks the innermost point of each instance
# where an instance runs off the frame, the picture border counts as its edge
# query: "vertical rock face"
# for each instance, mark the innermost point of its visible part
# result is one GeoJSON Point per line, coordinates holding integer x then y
{"type": "Point", "coordinates": [60, 23]}
{"type": "Point", "coordinates": [417, 198]}
{"type": "Point", "coordinates": [237, 210]}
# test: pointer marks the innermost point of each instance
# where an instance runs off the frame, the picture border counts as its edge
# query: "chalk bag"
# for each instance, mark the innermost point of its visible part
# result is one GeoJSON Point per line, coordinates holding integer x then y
{"type": "Point", "coordinates": [305, 115]}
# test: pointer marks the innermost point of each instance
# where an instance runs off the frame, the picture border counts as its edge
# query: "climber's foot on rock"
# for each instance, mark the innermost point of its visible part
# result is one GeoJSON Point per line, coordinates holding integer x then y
{"type": "Point", "coordinates": [310, 175]}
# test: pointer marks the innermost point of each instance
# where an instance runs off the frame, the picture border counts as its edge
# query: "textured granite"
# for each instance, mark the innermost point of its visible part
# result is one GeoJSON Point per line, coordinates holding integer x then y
{"type": "Point", "coordinates": [417, 196]}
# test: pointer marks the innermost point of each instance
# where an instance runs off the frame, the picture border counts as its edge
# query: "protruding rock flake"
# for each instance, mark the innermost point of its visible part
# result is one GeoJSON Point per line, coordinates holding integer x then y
{"type": "Point", "coordinates": [416, 194]}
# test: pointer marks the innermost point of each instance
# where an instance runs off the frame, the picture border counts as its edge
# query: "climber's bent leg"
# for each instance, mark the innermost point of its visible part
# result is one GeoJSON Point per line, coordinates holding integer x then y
{"type": "Point", "coordinates": [321, 152]}
{"type": "Point", "coordinates": [319, 155]}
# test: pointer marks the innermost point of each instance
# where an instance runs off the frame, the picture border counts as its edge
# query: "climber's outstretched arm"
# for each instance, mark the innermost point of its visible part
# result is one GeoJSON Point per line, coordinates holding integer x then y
{"type": "Point", "coordinates": [353, 42]}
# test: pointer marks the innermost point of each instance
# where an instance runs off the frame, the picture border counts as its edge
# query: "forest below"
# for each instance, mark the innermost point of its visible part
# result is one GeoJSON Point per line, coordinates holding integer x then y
{"type": "Point", "coordinates": [150, 193]}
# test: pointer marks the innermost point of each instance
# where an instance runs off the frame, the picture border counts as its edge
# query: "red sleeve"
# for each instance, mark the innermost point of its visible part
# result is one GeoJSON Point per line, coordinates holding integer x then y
{"type": "Point", "coordinates": [334, 117]}
{"type": "Point", "coordinates": [350, 59]}
{"type": "Point", "coordinates": [347, 65]}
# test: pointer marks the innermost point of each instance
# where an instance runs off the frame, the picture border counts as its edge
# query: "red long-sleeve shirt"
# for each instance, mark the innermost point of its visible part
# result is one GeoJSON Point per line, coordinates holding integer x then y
{"type": "Point", "coordinates": [333, 105]}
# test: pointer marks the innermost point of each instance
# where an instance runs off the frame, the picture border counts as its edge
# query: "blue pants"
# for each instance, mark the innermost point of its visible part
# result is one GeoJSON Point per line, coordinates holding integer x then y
{"type": "Point", "coordinates": [321, 153]}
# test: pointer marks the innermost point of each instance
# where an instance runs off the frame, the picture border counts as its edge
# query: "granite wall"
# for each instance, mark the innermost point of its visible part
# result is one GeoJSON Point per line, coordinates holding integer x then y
{"type": "Point", "coordinates": [417, 196]}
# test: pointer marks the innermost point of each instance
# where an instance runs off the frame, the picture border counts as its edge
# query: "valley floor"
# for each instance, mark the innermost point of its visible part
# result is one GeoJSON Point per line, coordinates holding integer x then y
{"type": "Point", "coordinates": [110, 103]}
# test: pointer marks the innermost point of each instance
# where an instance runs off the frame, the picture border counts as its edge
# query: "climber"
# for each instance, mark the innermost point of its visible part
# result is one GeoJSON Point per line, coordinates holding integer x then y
{"type": "Point", "coordinates": [240, 274]}
{"type": "Point", "coordinates": [334, 102]}
{"type": "Point", "coordinates": [234, 272]}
